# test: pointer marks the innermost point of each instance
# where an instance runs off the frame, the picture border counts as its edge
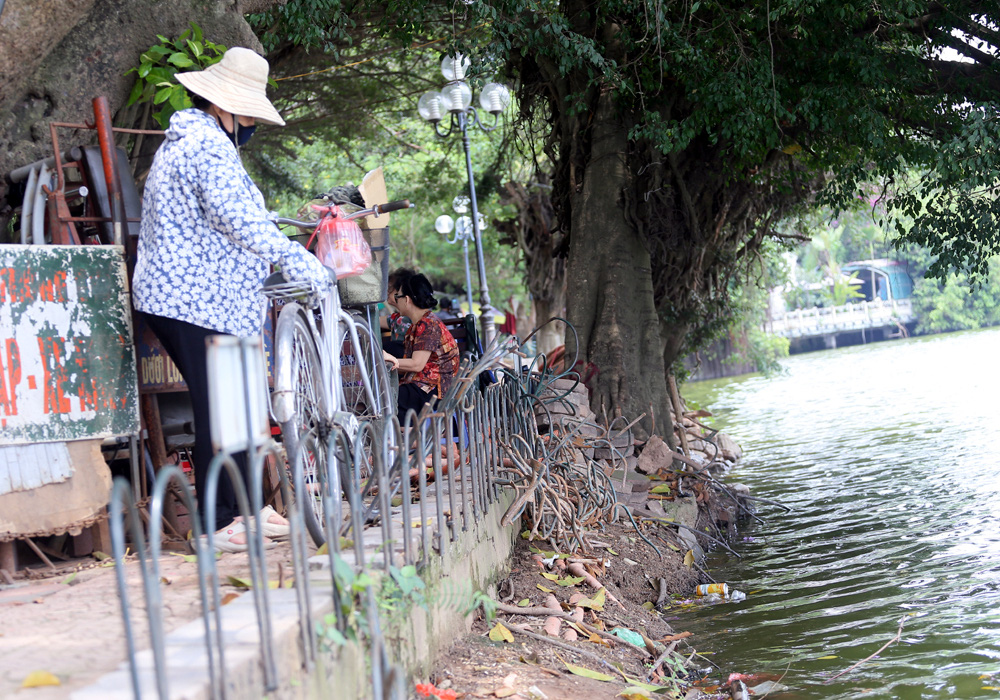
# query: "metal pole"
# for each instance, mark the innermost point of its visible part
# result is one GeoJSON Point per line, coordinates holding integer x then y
{"type": "Point", "coordinates": [485, 308]}
{"type": "Point", "coordinates": [109, 157]}
{"type": "Point", "coordinates": [468, 273]}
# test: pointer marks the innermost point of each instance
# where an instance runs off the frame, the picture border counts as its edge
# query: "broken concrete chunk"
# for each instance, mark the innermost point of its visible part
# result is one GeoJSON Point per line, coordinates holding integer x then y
{"type": "Point", "coordinates": [656, 455]}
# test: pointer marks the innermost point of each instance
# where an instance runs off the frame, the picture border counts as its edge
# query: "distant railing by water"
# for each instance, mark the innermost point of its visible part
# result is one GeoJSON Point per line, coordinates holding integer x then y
{"type": "Point", "coordinates": [862, 315]}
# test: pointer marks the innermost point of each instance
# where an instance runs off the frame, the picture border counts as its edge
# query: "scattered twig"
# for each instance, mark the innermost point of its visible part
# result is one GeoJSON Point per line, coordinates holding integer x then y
{"type": "Point", "coordinates": [663, 594]}
{"type": "Point", "coordinates": [660, 659]}
{"type": "Point", "coordinates": [899, 633]}
{"type": "Point", "coordinates": [546, 612]}
{"type": "Point", "coordinates": [40, 553]}
{"type": "Point", "coordinates": [675, 399]}
{"type": "Point", "coordinates": [629, 426]}
{"type": "Point", "coordinates": [695, 531]}
{"type": "Point", "coordinates": [704, 573]}
{"type": "Point", "coordinates": [562, 645]}
{"type": "Point", "coordinates": [767, 501]}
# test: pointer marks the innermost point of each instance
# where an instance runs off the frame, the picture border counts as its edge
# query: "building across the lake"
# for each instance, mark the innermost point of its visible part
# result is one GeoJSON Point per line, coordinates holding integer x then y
{"type": "Point", "coordinates": [880, 310]}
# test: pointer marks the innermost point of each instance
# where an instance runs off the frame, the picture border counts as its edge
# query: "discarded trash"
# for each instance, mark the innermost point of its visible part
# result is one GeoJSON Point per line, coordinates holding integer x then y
{"type": "Point", "coordinates": [716, 592]}
{"type": "Point", "coordinates": [707, 588]}
{"type": "Point", "coordinates": [633, 638]}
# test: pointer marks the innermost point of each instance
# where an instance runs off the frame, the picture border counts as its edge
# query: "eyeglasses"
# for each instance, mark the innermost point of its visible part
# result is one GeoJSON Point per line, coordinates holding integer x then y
{"type": "Point", "coordinates": [396, 296]}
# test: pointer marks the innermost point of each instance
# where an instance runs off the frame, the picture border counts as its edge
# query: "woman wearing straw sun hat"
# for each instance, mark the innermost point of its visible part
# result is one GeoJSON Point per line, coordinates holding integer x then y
{"type": "Point", "coordinates": [204, 246]}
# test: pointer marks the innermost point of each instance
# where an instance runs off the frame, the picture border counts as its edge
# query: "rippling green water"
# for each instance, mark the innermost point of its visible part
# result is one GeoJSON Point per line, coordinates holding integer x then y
{"type": "Point", "coordinates": [889, 456]}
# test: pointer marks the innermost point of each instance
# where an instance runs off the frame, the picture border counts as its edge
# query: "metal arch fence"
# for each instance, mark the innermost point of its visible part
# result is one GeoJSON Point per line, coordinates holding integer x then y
{"type": "Point", "coordinates": [452, 457]}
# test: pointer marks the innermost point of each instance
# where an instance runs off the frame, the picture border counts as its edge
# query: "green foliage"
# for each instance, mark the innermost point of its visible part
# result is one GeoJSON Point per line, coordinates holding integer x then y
{"type": "Point", "coordinates": [402, 588]}
{"type": "Point", "coordinates": [755, 107]}
{"type": "Point", "coordinates": [461, 596]}
{"type": "Point", "coordinates": [843, 290]}
{"type": "Point", "coordinates": [311, 24]}
{"type": "Point", "coordinates": [953, 208]}
{"type": "Point", "coordinates": [157, 65]}
{"type": "Point", "coordinates": [955, 302]}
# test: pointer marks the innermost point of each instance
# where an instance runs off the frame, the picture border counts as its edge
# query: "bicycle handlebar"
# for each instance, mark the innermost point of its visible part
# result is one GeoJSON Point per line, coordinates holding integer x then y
{"type": "Point", "coordinates": [375, 211]}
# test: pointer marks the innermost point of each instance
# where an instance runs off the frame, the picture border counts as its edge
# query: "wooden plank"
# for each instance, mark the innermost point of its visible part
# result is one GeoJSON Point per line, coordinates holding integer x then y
{"type": "Point", "coordinates": [8, 557]}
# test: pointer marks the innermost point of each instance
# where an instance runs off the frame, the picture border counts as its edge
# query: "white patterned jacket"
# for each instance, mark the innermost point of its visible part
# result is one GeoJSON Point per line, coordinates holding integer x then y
{"type": "Point", "coordinates": [205, 240]}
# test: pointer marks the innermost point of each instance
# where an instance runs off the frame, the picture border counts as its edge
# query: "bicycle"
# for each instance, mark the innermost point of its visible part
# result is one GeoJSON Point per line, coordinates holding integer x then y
{"type": "Point", "coordinates": [312, 355]}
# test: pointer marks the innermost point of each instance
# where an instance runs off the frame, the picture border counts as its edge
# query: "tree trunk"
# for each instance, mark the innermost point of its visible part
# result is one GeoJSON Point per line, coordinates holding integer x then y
{"type": "Point", "coordinates": [550, 336]}
{"type": "Point", "coordinates": [609, 284]}
{"type": "Point", "coordinates": [55, 57]}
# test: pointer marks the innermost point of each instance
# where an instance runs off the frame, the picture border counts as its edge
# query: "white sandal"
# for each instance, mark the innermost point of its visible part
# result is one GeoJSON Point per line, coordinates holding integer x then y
{"type": "Point", "coordinates": [223, 539]}
{"type": "Point", "coordinates": [269, 529]}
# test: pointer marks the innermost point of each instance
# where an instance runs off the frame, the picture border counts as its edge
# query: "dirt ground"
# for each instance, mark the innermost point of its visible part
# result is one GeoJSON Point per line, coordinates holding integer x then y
{"type": "Point", "coordinates": [476, 666]}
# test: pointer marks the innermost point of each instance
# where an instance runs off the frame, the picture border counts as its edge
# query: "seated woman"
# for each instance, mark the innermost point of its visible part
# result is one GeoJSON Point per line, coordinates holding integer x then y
{"type": "Point", "coordinates": [430, 354]}
{"type": "Point", "coordinates": [395, 323]}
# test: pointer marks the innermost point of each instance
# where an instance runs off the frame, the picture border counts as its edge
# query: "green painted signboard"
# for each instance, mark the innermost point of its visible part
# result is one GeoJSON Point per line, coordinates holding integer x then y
{"type": "Point", "coordinates": [67, 365]}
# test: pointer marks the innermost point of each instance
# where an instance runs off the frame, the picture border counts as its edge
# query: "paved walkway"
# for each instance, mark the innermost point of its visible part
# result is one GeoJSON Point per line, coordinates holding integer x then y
{"type": "Point", "coordinates": [70, 625]}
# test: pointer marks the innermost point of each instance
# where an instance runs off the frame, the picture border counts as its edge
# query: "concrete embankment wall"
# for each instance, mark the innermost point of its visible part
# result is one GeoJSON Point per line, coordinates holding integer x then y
{"type": "Point", "coordinates": [415, 635]}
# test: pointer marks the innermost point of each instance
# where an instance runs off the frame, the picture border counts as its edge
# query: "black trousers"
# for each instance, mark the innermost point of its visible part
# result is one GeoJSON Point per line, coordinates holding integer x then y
{"type": "Point", "coordinates": [411, 396]}
{"type": "Point", "coordinates": [185, 343]}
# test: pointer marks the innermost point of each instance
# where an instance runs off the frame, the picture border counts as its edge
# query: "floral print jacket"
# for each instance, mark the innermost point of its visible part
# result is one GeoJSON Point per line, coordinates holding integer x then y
{"type": "Point", "coordinates": [205, 241]}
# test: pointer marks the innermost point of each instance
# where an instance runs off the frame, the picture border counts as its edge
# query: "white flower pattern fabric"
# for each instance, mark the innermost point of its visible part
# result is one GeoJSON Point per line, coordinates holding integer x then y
{"type": "Point", "coordinates": [205, 239]}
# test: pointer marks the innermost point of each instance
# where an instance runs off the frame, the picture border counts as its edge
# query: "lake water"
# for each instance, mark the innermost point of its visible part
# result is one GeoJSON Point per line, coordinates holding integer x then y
{"type": "Point", "coordinates": [889, 457]}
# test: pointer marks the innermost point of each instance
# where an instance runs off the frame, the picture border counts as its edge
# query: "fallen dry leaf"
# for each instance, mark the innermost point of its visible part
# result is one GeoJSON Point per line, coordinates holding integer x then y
{"type": "Point", "coordinates": [499, 633]}
{"type": "Point", "coordinates": [37, 679]}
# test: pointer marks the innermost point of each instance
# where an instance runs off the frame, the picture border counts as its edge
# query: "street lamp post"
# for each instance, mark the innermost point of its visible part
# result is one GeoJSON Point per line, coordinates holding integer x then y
{"type": "Point", "coordinates": [464, 231]}
{"type": "Point", "coordinates": [455, 102]}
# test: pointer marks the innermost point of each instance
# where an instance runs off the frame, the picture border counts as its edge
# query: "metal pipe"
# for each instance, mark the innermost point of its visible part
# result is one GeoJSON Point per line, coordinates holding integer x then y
{"type": "Point", "coordinates": [20, 174]}
{"type": "Point", "coordinates": [105, 137]}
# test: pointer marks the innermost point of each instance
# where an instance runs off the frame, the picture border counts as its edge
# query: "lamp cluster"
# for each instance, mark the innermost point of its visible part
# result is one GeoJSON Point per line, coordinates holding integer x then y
{"type": "Point", "coordinates": [454, 101]}
{"type": "Point", "coordinates": [456, 96]}
{"type": "Point", "coordinates": [462, 226]}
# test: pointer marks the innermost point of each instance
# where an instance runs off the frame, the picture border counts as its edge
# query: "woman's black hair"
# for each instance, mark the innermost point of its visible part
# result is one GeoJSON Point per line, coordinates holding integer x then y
{"type": "Point", "coordinates": [198, 101]}
{"type": "Point", "coordinates": [417, 287]}
{"type": "Point", "coordinates": [398, 274]}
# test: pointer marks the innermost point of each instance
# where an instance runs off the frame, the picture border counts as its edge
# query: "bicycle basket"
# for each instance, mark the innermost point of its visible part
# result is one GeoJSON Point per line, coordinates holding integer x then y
{"type": "Point", "coordinates": [372, 285]}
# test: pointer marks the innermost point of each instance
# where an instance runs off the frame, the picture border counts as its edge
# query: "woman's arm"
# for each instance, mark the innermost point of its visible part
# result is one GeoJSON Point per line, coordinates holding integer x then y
{"type": "Point", "coordinates": [391, 359]}
{"type": "Point", "coordinates": [415, 363]}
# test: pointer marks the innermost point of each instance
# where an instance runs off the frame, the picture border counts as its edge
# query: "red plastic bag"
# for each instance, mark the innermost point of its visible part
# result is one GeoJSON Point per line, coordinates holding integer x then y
{"type": "Point", "coordinates": [340, 244]}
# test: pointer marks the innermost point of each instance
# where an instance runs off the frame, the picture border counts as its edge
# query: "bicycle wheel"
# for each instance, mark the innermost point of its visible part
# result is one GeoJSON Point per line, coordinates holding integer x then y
{"type": "Point", "coordinates": [360, 360]}
{"type": "Point", "coordinates": [299, 404]}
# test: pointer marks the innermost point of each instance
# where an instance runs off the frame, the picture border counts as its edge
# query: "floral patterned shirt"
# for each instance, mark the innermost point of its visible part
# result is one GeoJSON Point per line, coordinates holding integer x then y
{"type": "Point", "coordinates": [205, 241]}
{"type": "Point", "coordinates": [431, 335]}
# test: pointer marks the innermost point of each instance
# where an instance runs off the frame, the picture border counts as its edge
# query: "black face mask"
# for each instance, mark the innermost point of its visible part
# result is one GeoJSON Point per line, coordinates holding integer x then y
{"type": "Point", "coordinates": [242, 134]}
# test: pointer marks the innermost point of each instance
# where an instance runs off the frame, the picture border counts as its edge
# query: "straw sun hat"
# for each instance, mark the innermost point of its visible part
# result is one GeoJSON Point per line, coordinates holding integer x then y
{"type": "Point", "coordinates": [237, 84]}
